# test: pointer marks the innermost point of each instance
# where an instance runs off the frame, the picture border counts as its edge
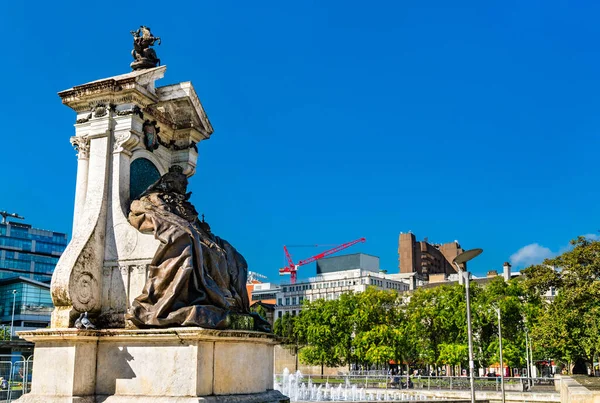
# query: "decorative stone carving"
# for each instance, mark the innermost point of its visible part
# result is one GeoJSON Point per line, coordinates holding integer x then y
{"type": "Point", "coordinates": [82, 146]}
{"type": "Point", "coordinates": [177, 147]}
{"type": "Point", "coordinates": [133, 111]}
{"type": "Point", "coordinates": [100, 110]}
{"type": "Point", "coordinates": [124, 141]}
{"type": "Point", "coordinates": [84, 120]}
{"type": "Point", "coordinates": [86, 284]}
{"type": "Point", "coordinates": [151, 138]}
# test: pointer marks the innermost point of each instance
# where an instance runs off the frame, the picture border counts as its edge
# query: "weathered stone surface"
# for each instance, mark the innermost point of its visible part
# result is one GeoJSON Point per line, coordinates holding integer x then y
{"type": "Point", "coordinates": [178, 365]}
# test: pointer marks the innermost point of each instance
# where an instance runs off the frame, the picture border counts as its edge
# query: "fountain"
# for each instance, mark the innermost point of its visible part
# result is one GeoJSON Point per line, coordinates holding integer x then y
{"type": "Point", "coordinates": [292, 385]}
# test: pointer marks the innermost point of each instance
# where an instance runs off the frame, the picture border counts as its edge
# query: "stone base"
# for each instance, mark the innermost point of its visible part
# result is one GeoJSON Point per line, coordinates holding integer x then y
{"type": "Point", "coordinates": [272, 396]}
{"type": "Point", "coordinates": [144, 63]}
{"type": "Point", "coordinates": [182, 365]}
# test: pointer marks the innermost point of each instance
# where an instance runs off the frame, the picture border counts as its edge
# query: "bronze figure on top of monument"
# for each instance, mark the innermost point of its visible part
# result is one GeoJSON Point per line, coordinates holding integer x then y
{"type": "Point", "coordinates": [144, 56]}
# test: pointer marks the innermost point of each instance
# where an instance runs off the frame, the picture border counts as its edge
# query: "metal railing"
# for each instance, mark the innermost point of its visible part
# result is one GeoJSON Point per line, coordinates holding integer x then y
{"type": "Point", "coordinates": [15, 376]}
{"type": "Point", "coordinates": [387, 381]}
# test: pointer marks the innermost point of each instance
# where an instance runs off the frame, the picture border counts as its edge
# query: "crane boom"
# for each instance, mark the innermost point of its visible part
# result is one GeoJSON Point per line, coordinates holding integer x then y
{"type": "Point", "coordinates": [330, 251]}
{"type": "Point", "coordinates": [292, 268]}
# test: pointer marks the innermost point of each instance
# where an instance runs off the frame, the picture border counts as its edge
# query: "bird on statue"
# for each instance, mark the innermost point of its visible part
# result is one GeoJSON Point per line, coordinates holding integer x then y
{"type": "Point", "coordinates": [78, 323]}
{"type": "Point", "coordinates": [86, 322]}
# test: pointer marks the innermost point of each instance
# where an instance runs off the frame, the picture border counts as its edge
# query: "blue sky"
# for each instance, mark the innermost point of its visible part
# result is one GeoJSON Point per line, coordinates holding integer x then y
{"type": "Point", "coordinates": [334, 120]}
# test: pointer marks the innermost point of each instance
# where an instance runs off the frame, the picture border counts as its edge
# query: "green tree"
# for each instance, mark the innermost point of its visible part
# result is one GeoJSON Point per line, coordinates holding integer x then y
{"type": "Point", "coordinates": [570, 325]}
{"type": "Point", "coordinates": [317, 327]}
{"type": "Point", "coordinates": [435, 316]}
{"type": "Point", "coordinates": [285, 328]}
{"type": "Point", "coordinates": [345, 326]}
{"type": "Point", "coordinates": [453, 354]}
{"type": "Point", "coordinates": [510, 297]}
{"type": "Point", "coordinates": [379, 334]}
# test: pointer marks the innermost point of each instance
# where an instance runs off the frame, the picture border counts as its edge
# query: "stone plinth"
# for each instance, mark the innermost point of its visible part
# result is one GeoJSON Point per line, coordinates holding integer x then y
{"type": "Point", "coordinates": [180, 365]}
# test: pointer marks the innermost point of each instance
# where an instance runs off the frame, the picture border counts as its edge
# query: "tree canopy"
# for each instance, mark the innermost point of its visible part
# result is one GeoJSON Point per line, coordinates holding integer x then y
{"type": "Point", "coordinates": [428, 326]}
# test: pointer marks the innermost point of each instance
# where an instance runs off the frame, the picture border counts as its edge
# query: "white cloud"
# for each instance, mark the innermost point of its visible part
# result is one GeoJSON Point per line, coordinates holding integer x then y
{"type": "Point", "coordinates": [535, 253]}
{"type": "Point", "coordinates": [530, 254]}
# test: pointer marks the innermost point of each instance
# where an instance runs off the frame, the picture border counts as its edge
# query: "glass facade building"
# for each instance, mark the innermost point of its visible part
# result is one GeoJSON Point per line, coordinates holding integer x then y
{"type": "Point", "coordinates": [31, 302]}
{"type": "Point", "coordinates": [29, 252]}
{"type": "Point", "coordinates": [28, 257]}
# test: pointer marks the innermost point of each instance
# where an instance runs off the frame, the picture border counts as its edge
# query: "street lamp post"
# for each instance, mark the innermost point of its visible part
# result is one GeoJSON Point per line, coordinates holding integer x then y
{"type": "Point", "coordinates": [528, 359]}
{"type": "Point", "coordinates": [12, 319]}
{"type": "Point", "coordinates": [458, 260]}
{"type": "Point", "coordinates": [501, 360]}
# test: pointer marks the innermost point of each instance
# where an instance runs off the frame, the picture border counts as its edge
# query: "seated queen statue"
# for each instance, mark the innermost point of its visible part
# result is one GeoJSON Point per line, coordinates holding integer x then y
{"type": "Point", "coordinates": [195, 277]}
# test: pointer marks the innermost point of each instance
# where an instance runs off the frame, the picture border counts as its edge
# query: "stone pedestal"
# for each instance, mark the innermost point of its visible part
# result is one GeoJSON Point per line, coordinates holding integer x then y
{"type": "Point", "coordinates": [181, 365]}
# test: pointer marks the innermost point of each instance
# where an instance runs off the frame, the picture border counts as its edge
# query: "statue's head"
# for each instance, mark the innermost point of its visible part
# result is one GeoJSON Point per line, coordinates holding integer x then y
{"type": "Point", "coordinates": [174, 181]}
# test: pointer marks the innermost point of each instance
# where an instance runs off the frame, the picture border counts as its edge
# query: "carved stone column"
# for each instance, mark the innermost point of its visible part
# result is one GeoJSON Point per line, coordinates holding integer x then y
{"type": "Point", "coordinates": [82, 146]}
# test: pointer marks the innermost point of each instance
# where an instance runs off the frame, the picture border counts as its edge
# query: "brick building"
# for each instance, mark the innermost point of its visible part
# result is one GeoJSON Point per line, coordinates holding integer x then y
{"type": "Point", "coordinates": [426, 259]}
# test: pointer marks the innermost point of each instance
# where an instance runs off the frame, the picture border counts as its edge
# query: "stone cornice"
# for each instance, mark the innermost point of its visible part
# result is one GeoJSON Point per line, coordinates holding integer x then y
{"type": "Point", "coordinates": [137, 86]}
{"type": "Point", "coordinates": [177, 335]}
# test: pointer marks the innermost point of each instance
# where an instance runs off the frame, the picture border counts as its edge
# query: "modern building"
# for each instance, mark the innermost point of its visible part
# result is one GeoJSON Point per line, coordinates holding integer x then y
{"type": "Point", "coordinates": [337, 275]}
{"type": "Point", "coordinates": [31, 302]}
{"type": "Point", "coordinates": [28, 257]}
{"type": "Point", "coordinates": [264, 292]}
{"type": "Point", "coordinates": [264, 295]}
{"type": "Point", "coordinates": [426, 259]}
{"type": "Point", "coordinates": [29, 252]}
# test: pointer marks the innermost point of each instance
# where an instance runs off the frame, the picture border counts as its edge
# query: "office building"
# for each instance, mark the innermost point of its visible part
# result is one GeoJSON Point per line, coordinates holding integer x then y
{"type": "Point", "coordinates": [29, 252]}
{"type": "Point", "coordinates": [28, 257]}
{"type": "Point", "coordinates": [337, 275]}
{"type": "Point", "coordinates": [426, 259]}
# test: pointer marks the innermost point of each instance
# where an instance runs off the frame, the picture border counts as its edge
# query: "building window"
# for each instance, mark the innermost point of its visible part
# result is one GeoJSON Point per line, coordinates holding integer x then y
{"type": "Point", "coordinates": [279, 314]}
{"type": "Point", "coordinates": [284, 289]}
{"type": "Point", "coordinates": [293, 313]}
{"type": "Point", "coordinates": [300, 299]}
{"type": "Point", "coordinates": [293, 300]}
{"type": "Point", "coordinates": [279, 302]}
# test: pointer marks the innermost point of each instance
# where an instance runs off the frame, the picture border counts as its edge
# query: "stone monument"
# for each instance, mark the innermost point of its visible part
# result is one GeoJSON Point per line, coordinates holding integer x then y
{"type": "Point", "coordinates": [166, 295]}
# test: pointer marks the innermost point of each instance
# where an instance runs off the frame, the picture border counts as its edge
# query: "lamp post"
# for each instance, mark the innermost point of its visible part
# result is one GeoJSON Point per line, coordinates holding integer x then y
{"type": "Point", "coordinates": [528, 360]}
{"type": "Point", "coordinates": [12, 319]}
{"type": "Point", "coordinates": [458, 260]}
{"type": "Point", "coordinates": [500, 348]}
